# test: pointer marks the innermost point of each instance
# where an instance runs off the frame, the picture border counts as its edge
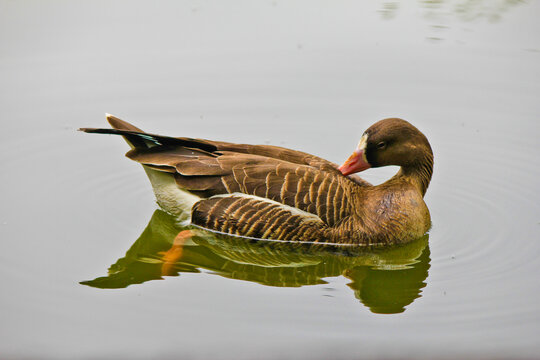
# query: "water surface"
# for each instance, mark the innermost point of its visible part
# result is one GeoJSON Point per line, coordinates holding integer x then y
{"type": "Point", "coordinates": [306, 75]}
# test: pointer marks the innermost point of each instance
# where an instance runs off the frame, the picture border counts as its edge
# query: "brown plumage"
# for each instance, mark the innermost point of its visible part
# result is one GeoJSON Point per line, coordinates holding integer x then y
{"type": "Point", "coordinates": [269, 192]}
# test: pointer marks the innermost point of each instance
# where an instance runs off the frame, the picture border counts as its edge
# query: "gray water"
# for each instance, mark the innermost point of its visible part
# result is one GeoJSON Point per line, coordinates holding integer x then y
{"type": "Point", "coordinates": [309, 75]}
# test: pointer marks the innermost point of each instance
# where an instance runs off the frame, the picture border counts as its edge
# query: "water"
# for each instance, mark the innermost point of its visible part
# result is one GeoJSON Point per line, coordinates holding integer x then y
{"type": "Point", "coordinates": [310, 76]}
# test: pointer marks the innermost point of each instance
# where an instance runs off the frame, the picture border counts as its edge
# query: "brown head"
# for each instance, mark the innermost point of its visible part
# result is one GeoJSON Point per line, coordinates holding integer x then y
{"type": "Point", "coordinates": [393, 142]}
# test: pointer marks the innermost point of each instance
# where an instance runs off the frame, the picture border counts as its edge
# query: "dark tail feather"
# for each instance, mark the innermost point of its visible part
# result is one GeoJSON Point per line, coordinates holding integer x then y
{"type": "Point", "coordinates": [120, 127]}
{"type": "Point", "coordinates": [136, 138]}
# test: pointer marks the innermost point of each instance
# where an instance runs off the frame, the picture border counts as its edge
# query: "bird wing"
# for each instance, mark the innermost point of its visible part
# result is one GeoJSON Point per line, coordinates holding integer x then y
{"type": "Point", "coordinates": [321, 191]}
{"type": "Point", "coordinates": [208, 168]}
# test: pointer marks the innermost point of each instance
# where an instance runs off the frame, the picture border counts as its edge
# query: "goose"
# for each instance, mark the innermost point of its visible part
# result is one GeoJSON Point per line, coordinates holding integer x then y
{"type": "Point", "coordinates": [275, 193]}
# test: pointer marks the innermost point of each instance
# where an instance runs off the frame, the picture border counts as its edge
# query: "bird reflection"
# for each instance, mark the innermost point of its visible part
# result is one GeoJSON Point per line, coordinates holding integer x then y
{"type": "Point", "coordinates": [385, 280]}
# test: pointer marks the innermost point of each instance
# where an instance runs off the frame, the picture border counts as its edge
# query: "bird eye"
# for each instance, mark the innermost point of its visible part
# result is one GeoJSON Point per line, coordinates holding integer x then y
{"type": "Point", "coordinates": [381, 145]}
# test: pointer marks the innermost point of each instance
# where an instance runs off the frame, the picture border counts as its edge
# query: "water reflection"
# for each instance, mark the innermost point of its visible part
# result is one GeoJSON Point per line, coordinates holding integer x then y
{"type": "Point", "coordinates": [385, 280]}
{"type": "Point", "coordinates": [441, 15]}
{"type": "Point", "coordinates": [465, 10]}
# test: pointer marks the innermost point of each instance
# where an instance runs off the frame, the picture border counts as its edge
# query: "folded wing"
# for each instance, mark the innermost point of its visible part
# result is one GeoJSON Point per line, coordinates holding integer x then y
{"type": "Point", "coordinates": [323, 193]}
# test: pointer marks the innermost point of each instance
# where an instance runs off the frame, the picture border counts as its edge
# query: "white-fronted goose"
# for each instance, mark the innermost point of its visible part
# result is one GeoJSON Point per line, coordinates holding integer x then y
{"type": "Point", "coordinates": [270, 192]}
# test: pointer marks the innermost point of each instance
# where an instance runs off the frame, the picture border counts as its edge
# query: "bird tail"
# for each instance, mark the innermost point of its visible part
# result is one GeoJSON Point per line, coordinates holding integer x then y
{"type": "Point", "coordinates": [135, 137]}
{"type": "Point", "coordinates": [168, 195]}
{"type": "Point", "coordinates": [138, 139]}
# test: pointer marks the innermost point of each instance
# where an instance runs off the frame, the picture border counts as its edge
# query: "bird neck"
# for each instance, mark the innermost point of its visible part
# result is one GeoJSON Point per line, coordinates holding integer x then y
{"type": "Point", "coordinates": [418, 173]}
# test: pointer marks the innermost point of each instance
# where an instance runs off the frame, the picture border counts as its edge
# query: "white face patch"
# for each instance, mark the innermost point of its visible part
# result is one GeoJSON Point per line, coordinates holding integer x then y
{"type": "Point", "coordinates": [363, 142]}
{"type": "Point", "coordinates": [362, 146]}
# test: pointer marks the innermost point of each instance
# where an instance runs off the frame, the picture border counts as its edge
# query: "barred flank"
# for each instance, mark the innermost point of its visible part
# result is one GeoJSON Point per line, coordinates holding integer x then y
{"type": "Point", "coordinates": [256, 217]}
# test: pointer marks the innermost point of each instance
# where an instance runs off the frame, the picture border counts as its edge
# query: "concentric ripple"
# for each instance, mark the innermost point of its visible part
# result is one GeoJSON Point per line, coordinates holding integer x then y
{"type": "Point", "coordinates": [483, 240]}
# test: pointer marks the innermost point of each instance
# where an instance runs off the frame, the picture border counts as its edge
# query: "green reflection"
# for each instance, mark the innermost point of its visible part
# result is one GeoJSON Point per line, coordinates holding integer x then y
{"type": "Point", "coordinates": [442, 10]}
{"type": "Point", "coordinates": [383, 279]}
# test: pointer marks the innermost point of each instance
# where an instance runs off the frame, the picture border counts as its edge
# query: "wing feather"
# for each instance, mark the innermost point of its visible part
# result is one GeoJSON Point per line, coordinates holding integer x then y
{"type": "Point", "coordinates": [256, 217]}
{"type": "Point", "coordinates": [210, 168]}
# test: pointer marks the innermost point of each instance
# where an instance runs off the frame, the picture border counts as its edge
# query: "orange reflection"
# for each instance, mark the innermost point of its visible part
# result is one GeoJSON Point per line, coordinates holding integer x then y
{"type": "Point", "coordinates": [174, 254]}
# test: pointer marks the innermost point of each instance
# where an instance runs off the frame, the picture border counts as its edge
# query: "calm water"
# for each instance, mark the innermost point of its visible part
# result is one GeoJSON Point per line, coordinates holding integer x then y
{"type": "Point", "coordinates": [306, 75]}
